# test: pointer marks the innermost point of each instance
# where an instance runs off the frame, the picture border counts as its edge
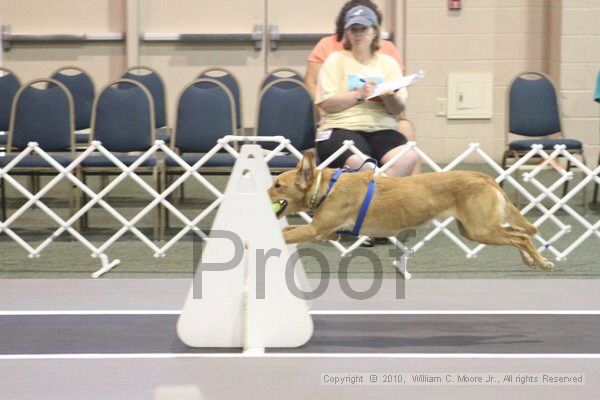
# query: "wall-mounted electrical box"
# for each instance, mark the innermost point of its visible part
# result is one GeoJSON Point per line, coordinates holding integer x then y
{"type": "Point", "coordinates": [469, 96]}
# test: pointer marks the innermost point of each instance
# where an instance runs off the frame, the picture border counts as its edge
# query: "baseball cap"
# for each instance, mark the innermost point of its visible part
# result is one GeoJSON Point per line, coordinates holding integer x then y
{"type": "Point", "coordinates": [361, 15]}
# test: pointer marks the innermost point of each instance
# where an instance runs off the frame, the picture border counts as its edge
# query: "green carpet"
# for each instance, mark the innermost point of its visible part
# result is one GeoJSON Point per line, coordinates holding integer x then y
{"type": "Point", "coordinates": [440, 258]}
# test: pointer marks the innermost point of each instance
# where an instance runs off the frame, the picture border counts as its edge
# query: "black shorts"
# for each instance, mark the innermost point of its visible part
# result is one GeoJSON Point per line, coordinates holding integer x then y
{"type": "Point", "coordinates": [374, 144]}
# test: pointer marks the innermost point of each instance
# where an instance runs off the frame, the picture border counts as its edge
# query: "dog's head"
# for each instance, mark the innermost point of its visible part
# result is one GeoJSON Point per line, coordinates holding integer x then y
{"type": "Point", "coordinates": [291, 188]}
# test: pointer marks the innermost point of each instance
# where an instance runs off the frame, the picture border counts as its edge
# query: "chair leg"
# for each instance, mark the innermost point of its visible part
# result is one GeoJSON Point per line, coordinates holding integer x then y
{"type": "Point", "coordinates": [504, 159]}
{"type": "Point", "coordinates": [584, 191]}
{"type": "Point", "coordinates": [177, 197]}
{"type": "Point", "coordinates": [78, 203]}
{"type": "Point", "coordinates": [566, 184]}
{"type": "Point", "coordinates": [73, 204]}
{"type": "Point", "coordinates": [517, 193]}
{"type": "Point", "coordinates": [85, 222]}
{"type": "Point", "coordinates": [163, 210]}
{"type": "Point", "coordinates": [156, 212]}
{"type": "Point", "coordinates": [103, 184]}
{"type": "Point", "coordinates": [31, 184]}
{"type": "Point", "coordinates": [168, 182]}
{"type": "Point", "coordinates": [3, 199]}
{"type": "Point", "coordinates": [32, 189]}
{"type": "Point", "coordinates": [595, 197]}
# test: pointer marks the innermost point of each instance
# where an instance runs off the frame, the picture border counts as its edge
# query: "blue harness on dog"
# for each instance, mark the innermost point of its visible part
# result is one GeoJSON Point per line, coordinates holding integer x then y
{"type": "Point", "coordinates": [366, 202]}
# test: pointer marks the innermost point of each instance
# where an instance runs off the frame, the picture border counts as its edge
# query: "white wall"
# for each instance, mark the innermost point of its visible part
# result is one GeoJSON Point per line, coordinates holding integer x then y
{"type": "Point", "coordinates": [489, 36]}
{"type": "Point", "coordinates": [559, 37]}
{"type": "Point", "coordinates": [579, 64]}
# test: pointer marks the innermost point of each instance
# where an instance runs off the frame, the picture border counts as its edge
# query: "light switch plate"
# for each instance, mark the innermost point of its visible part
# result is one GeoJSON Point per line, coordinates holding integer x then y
{"type": "Point", "coordinates": [440, 106]}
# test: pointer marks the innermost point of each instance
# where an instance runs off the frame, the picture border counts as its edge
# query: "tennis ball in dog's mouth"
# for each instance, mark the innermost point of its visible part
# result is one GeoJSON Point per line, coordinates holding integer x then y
{"type": "Point", "coordinates": [279, 206]}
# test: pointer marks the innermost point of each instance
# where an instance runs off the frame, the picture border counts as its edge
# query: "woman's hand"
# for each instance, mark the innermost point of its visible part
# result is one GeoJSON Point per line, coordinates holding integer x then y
{"type": "Point", "coordinates": [367, 89]}
{"type": "Point", "coordinates": [391, 102]}
{"type": "Point", "coordinates": [343, 101]}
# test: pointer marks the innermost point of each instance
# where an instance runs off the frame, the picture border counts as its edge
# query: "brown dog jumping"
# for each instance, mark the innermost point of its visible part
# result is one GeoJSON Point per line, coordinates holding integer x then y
{"type": "Point", "coordinates": [483, 212]}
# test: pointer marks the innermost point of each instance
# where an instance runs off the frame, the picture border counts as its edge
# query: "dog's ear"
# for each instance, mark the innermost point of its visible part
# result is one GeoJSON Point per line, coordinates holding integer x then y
{"type": "Point", "coordinates": [305, 170]}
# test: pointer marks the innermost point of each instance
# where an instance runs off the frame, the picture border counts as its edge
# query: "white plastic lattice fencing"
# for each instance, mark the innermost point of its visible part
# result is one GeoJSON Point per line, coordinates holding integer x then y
{"type": "Point", "coordinates": [283, 144]}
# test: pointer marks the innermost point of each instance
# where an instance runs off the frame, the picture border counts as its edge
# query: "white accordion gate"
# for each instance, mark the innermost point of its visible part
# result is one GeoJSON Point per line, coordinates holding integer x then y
{"type": "Point", "coordinates": [191, 172]}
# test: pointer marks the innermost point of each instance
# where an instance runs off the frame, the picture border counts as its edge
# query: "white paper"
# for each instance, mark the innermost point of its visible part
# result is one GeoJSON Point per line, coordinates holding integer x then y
{"type": "Point", "coordinates": [396, 84]}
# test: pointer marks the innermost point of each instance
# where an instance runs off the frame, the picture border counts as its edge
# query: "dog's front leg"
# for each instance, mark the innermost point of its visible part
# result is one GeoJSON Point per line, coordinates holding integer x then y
{"type": "Point", "coordinates": [307, 233]}
{"type": "Point", "coordinates": [332, 236]}
{"type": "Point", "coordinates": [299, 233]}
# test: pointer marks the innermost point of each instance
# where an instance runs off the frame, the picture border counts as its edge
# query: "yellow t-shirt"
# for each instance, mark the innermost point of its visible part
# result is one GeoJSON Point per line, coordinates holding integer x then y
{"type": "Point", "coordinates": [341, 73]}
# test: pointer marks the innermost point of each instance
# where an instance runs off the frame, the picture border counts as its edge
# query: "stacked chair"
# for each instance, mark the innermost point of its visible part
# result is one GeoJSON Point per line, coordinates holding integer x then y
{"type": "Point", "coordinates": [534, 113]}
{"type": "Point", "coordinates": [81, 87]}
{"type": "Point", "coordinates": [230, 81]}
{"type": "Point", "coordinates": [205, 113]}
{"type": "Point", "coordinates": [42, 112]}
{"type": "Point", "coordinates": [152, 81]}
{"type": "Point", "coordinates": [285, 108]}
{"type": "Point", "coordinates": [64, 113]}
{"type": "Point", "coordinates": [9, 85]}
{"type": "Point", "coordinates": [123, 120]}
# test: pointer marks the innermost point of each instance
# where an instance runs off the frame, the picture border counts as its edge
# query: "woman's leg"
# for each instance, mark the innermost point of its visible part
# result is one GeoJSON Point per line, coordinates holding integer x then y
{"type": "Point", "coordinates": [386, 145]}
{"type": "Point", "coordinates": [405, 165]}
{"type": "Point", "coordinates": [355, 162]}
{"type": "Point", "coordinates": [408, 130]}
{"type": "Point", "coordinates": [325, 148]}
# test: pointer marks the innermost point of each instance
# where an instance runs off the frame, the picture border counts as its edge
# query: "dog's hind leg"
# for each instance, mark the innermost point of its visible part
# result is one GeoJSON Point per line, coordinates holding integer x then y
{"type": "Point", "coordinates": [516, 219]}
{"type": "Point", "coordinates": [520, 224]}
{"type": "Point", "coordinates": [492, 219]}
{"type": "Point", "coordinates": [509, 236]}
{"type": "Point", "coordinates": [528, 251]}
{"type": "Point", "coordinates": [527, 259]}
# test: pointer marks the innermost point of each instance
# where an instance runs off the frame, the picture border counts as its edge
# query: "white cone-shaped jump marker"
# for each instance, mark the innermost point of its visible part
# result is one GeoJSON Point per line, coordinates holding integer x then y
{"type": "Point", "coordinates": [248, 303]}
{"type": "Point", "coordinates": [265, 180]}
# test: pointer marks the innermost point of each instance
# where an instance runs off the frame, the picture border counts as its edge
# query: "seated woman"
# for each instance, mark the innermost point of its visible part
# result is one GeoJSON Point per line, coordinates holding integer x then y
{"type": "Point", "coordinates": [346, 79]}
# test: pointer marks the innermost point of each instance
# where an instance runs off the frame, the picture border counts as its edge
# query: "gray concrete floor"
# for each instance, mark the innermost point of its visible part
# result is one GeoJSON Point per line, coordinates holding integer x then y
{"type": "Point", "coordinates": [262, 378]}
{"type": "Point", "coordinates": [333, 334]}
{"type": "Point", "coordinates": [298, 376]}
{"type": "Point", "coordinates": [395, 294]}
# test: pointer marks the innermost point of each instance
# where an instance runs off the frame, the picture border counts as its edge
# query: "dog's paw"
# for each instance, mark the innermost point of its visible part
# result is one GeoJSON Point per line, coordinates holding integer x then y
{"type": "Point", "coordinates": [547, 266]}
{"type": "Point", "coordinates": [334, 237]}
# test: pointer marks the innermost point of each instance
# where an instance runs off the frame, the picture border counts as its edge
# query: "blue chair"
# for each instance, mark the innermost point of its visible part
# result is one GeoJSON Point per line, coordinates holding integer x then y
{"type": "Point", "coordinates": [533, 112]}
{"type": "Point", "coordinates": [81, 86]}
{"type": "Point", "coordinates": [205, 114]}
{"type": "Point", "coordinates": [9, 85]}
{"type": "Point", "coordinates": [228, 79]}
{"type": "Point", "coordinates": [285, 108]}
{"type": "Point", "coordinates": [281, 73]}
{"type": "Point", "coordinates": [42, 112]}
{"type": "Point", "coordinates": [155, 85]}
{"type": "Point", "coordinates": [123, 121]}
